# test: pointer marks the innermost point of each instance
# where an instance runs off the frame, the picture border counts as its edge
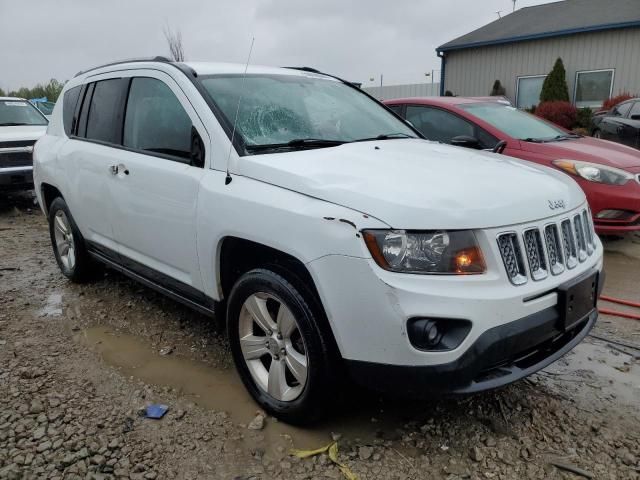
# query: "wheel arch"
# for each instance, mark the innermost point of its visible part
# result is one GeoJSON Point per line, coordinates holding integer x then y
{"type": "Point", "coordinates": [236, 256]}
{"type": "Point", "coordinates": [49, 194]}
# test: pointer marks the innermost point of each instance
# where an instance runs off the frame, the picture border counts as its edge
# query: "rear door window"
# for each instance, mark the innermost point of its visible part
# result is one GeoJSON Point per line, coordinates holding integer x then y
{"type": "Point", "coordinates": [635, 110]}
{"type": "Point", "coordinates": [69, 102]}
{"type": "Point", "coordinates": [155, 121]}
{"type": "Point", "coordinates": [104, 109]}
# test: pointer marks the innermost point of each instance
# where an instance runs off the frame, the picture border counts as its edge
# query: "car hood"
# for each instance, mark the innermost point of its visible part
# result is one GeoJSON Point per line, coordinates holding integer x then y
{"type": "Point", "coordinates": [417, 184]}
{"type": "Point", "coordinates": [588, 149]}
{"type": "Point", "coordinates": [22, 132]}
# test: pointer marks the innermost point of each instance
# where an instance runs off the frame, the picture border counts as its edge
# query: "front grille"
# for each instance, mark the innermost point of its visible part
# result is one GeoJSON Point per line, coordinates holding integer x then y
{"type": "Point", "coordinates": [17, 143]}
{"type": "Point", "coordinates": [512, 257]}
{"type": "Point", "coordinates": [556, 247]}
{"type": "Point", "coordinates": [16, 159]}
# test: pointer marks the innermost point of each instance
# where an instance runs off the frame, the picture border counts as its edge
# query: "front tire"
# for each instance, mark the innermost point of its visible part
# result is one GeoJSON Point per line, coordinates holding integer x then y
{"type": "Point", "coordinates": [597, 133]}
{"type": "Point", "coordinates": [68, 245]}
{"type": "Point", "coordinates": [280, 349]}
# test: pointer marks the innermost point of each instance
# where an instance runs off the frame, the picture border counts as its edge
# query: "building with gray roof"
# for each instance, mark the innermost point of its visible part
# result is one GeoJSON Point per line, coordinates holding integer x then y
{"type": "Point", "coordinates": [598, 41]}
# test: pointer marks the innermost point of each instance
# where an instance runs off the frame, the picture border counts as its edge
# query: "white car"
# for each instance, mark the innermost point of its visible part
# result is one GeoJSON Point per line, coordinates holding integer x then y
{"type": "Point", "coordinates": [21, 124]}
{"type": "Point", "coordinates": [335, 240]}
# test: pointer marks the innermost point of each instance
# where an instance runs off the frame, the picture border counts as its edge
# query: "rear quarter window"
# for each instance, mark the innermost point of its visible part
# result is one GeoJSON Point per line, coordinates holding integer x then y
{"type": "Point", "coordinates": [69, 102]}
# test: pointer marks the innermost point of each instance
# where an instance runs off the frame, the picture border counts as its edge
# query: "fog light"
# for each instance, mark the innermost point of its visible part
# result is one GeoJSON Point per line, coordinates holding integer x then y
{"type": "Point", "coordinates": [437, 334]}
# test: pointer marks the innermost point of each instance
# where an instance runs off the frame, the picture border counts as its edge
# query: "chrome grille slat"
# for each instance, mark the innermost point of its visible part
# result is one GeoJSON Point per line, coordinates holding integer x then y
{"type": "Point", "coordinates": [512, 257]}
{"type": "Point", "coordinates": [569, 243]}
{"type": "Point", "coordinates": [581, 242]}
{"type": "Point", "coordinates": [535, 253]}
{"type": "Point", "coordinates": [553, 248]}
{"type": "Point", "coordinates": [586, 224]}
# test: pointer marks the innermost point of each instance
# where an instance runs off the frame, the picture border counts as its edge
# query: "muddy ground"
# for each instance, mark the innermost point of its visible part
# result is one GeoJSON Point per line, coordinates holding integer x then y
{"type": "Point", "coordinates": [77, 363]}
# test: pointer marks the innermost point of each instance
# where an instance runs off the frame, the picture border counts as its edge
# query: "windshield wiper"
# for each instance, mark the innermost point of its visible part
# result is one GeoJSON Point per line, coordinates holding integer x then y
{"type": "Point", "coordinates": [385, 136]}
{"type": "Point", "coordinates": [296, 143]}
{"type": "Point", "coordinates": [13, 124]}
{"type": "Point", "coordinates": [557, 138]}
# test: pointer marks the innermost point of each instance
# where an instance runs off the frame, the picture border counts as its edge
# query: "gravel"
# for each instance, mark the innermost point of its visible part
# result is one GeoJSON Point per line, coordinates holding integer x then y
{"type": "Point", "coordinates": [68, 405]}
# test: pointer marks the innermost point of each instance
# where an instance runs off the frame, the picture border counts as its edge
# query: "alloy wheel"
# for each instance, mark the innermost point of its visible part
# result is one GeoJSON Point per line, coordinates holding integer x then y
{"type": "Point", "coordinates": [65, 244]}
{"type": "Point", "coordinates": [272, 347]}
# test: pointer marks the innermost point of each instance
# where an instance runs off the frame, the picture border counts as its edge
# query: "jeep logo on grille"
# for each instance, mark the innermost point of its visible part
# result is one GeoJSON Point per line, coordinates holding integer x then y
{"type": "Point", "coordinates": [555, 204]}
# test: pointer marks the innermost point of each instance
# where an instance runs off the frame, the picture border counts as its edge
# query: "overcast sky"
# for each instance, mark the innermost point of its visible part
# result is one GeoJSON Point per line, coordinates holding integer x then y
{"type": "Point", "coordinates": [357, 40]}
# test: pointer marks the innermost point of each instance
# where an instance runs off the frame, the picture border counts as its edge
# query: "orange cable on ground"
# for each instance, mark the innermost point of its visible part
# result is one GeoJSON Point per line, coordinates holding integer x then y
{"type": "Point", "coordinates": [615, 313]}
{"type": "Point", "coordinates": [619, 300]}
{"type": "Point", "coordinates": [608, 311]}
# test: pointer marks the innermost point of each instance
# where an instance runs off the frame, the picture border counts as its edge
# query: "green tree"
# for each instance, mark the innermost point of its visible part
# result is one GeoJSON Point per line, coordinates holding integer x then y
{"type": "Point", "coordinates": [2, 94]}
{"type": "Point", "coordinates": [555, 85]}
{"type": "Point", "coordinates": [498, 90]}
{"type": "Point", "coordinates": [51, 90]}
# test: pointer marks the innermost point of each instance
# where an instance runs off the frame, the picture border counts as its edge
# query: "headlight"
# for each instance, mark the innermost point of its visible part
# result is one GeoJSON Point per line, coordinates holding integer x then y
{"type": "Point", "coordinates": [594, 172]}
{"type": "Point", "coordinates": [455, 252]}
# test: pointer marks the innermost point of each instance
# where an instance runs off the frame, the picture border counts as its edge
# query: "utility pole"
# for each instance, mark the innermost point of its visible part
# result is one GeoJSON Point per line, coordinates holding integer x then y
{"type": "Point", "coordinates": [381, 80]}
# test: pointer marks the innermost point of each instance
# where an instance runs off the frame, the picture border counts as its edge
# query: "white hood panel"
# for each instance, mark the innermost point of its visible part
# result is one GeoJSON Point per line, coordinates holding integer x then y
{"type": "Point", "coordinates": [416, 184]}
{"type": "Point", "coordinates": [22, 133]}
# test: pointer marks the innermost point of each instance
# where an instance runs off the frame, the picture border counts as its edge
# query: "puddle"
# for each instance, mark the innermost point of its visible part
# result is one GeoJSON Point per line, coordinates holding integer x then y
{"type": "Point", "coordinates": [221, 390]}
{"type": "Point", "coordinates": [52, 307]}
{"type": "Point", "coordinates": [597, 366]}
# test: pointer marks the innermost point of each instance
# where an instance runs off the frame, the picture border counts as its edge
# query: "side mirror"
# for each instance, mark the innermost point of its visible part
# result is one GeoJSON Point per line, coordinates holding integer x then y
{"type": "Point", "coordinates": [500, 146]}
{"type": "Point", "coordinates": [197, 149]}
{"type": "Point", "coordinates": [635, 116]}
{"type": "Point", "coordinates": [466, 141]}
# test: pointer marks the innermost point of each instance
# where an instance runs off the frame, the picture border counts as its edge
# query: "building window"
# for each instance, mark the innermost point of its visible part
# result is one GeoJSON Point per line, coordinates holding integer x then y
{"type": "Point", "coordinates": [528, 91]}
{"type": "Point", "coordinates": [593, 87]}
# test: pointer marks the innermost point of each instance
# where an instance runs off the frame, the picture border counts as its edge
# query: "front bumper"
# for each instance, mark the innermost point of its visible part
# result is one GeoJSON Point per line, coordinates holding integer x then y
{"type": "Point", "coordinates": [501, 355]}
{"type": "Point", "coordinates": [625, 198]}
{"type": "Point", "coordinates": [16, 178]}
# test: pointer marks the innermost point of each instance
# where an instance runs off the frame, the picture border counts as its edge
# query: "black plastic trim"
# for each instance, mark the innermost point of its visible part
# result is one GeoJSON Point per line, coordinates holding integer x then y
{"type": "Point", "coordinates": [158, 281]}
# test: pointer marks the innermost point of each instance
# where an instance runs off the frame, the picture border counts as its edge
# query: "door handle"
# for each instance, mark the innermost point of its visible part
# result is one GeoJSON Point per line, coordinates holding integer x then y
{"type": "Point", "coordinates": [116, 169]}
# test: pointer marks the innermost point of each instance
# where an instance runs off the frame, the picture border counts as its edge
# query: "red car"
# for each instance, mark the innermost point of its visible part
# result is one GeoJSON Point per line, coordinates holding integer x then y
{"type": "Point", "coordinates": [609, 173]}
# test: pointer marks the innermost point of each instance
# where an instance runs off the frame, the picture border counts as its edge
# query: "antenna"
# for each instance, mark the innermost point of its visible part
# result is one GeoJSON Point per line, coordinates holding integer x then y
{"type": "Point", "coordinates": [227, 179]}
{"type": "Point", "coordinates": [498, 13]}
{"type": "Point", "coordinates": [514, 4]}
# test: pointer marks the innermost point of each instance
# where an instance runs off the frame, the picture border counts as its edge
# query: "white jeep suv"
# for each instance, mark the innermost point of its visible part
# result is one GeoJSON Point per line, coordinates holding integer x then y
{"type": "Point", "coordinates": [334, 239]}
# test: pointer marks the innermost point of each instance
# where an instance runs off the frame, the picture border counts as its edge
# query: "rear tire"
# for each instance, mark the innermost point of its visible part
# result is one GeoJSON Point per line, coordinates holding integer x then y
{"type": "Point", "coordinates": [281, 351]}
{"type": "Point", "coordinates": [69, 247]}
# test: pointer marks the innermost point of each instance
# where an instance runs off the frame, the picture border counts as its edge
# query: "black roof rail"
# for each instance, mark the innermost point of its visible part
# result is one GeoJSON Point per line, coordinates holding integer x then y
{"type": "Point", "coordinates": [306, 69]}
{"type": "Point", "coordinates": [157, 58]}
